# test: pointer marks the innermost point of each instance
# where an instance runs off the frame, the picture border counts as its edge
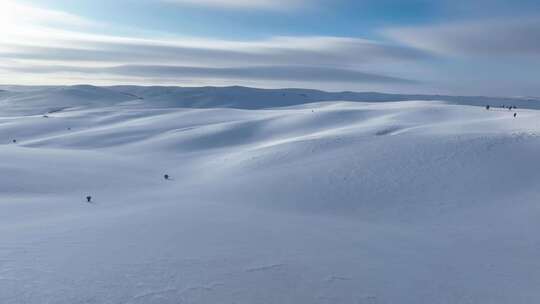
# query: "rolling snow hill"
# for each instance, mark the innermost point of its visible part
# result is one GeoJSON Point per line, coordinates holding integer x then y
{"type": "Point", "coordinates": [328, 199]}
{"type": "Point", "coordinates": [37, 100]}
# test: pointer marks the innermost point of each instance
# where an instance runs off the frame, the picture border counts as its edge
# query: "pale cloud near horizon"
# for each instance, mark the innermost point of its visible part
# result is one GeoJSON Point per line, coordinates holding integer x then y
{"type": "Point", "coordinates": [272, 73]}
{"type": "Point", "coordinates": [323, 51]}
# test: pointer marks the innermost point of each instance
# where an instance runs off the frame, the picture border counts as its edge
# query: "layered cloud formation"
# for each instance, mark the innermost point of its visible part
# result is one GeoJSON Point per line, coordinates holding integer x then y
{"type": "Point", "coordinates": [69, 48]}
{"type": "Point", "coordinates": [41, 44]}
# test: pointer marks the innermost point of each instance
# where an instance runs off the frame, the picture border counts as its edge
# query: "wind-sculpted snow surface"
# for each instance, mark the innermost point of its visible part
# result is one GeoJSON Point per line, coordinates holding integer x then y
{"type": "Point", "coordinates": [328, 202]}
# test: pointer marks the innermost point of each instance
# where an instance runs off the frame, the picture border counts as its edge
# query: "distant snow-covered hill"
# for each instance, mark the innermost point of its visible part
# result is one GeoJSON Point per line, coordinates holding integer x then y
{"type": "Point", "coordinates": [38, 100]}
{"type": "Point", "coordinates": [46, 99]}
{"type": "Point", "coordinates": [252, 98]}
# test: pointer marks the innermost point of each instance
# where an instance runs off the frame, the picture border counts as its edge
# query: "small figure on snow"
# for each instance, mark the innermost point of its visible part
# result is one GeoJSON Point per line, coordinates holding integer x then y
{"type": "Point", "coordinates": [14, 141]}
{"type": "Point", "coordinates": [515, 115]}
{"type": "Point", "coordinates": [487, 107]}
{"type": "Point", "coordinates": [166, 176]}
{"type": "Point", "coordinates": [88, 199]}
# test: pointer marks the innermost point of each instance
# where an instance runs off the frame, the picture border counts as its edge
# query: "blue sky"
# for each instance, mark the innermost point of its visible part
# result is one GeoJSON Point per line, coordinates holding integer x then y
{"type": "Point", "coordinates": [451, 47]}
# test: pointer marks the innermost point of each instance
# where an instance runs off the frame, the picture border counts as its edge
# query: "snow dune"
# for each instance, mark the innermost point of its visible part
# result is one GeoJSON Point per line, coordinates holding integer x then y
{"type": "Point", "coordinates": [316, 202]}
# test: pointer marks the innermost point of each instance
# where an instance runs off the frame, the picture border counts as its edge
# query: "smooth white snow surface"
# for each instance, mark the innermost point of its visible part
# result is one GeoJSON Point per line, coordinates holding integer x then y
{"type": "Point", "coordinates": [331, 202]}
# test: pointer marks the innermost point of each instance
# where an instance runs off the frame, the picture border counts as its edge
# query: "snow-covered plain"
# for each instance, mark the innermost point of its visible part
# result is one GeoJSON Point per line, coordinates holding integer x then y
{"type": "Point", "coordinates": [318, 201]}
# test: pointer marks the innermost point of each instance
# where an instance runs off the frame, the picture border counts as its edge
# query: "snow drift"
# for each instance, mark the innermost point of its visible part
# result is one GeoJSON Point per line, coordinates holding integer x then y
{"type": "Point", "coordinates": [316, 202]}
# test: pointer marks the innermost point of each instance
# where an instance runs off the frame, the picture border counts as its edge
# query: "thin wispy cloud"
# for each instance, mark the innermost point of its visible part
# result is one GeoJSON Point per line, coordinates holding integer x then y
{"type": "Point", "coordinates": [279, 5]}
{"type": "Point", "coordinates": [493, 37]}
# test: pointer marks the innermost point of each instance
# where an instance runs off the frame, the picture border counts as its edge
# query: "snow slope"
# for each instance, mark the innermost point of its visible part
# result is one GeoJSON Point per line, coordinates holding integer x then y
{"type": "Point", "coordinates": [320, 202]}
{"type": "Point", "coordinates": [37, 100]}
{"type": "Point", "coordinates": [252, 98]}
